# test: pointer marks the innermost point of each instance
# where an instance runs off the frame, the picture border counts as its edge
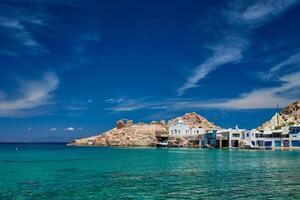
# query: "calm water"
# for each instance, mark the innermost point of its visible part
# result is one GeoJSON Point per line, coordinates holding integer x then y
{"type": "Point", "coordinates": [55, 171]}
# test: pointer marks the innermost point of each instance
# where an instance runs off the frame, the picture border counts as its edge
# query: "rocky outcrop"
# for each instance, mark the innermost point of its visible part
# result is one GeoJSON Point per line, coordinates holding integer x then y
{"type": "Point", "coordinates": [195, 120]}
{"type": "Point", "coordinates": [128, 134]}
{"type": "Point", "coordinates": [285, 118]}
{"type": "Point", "coordinates": [135, 135]}
{"type": "Point", "coordinates": [178, 142]}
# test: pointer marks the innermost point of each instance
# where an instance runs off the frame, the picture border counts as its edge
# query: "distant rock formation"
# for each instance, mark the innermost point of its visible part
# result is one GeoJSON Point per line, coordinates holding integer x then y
{"type": "Point", "coordinates": [194, 120]}
{"type": "Point", "coordinates": [134, 135]}
{"type": "Point", "coordinates": [128, 134]}
{"type": "Point", "coordinates": [285, 118]}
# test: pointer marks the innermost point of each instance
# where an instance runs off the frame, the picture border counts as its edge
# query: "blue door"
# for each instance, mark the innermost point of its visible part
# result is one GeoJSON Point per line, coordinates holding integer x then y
{"type": "Point", "coordinates": [277, 143]}
{"type": "Point", "coordinates": [296, 143]}
{"type": "Point", "coordinates": [268, 143]}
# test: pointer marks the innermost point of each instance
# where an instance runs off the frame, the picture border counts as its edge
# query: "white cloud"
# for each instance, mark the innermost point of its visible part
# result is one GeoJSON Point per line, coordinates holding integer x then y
{"type": "Point", "coordinates": [286, 92]}
{"type": "Point", "coordinates": [117, 100]}
{"type": "Point", "coordinates": [126, 105]}
{"type": "Point", "coordinates": [76, 105]}
{"type": "Point", "coordinates": [52, 129]}
{"type": "Point", "coordinates": [222, 55]}
{"type": "Point", "coordinates": [293, 59]}
{"type": "Point", "coordinates": [69, 129]}
{"type": "Point", "coordinates": [32, 95]}
{"type": "Point", "coordinates": [240, 22]}
{"type": "Point", "coordinates": [264, 9]}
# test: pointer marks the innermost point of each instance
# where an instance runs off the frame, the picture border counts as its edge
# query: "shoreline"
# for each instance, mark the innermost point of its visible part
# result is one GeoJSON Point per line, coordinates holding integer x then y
{"type": "Point", "coordinates": [189, 147]}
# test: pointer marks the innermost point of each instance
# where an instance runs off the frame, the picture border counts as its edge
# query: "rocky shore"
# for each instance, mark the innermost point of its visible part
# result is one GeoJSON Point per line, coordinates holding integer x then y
{"type": "Point", "coordinates": [134, 135]}
{"type": "Point", "coordinates": [126, 133]}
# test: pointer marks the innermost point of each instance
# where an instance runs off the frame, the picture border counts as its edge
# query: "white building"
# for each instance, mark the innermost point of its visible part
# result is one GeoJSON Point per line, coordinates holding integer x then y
{"type": "Point", "coordinates": [270, 139]}
{"type": "Point", "coordinates": [180, 129]}
{"type": "Point", "coordinates": [294, 134]}
{"type": "Point", "coordinates": [238, 137]}
{"type": "Point", "coordinates": [197, 131]}
{"type": "Point", "coordinates": [276, 139]}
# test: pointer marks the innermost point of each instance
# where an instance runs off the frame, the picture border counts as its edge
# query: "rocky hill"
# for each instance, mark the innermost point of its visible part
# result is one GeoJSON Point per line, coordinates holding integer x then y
{"type": "Point", "coordinates": [134, 135]}
{"type": "Point", "coordinates": [194, 120]}
{"type": "Point", "coordinates": [286, 117]}
{"type": "Point", "coordinates": [128, 134]}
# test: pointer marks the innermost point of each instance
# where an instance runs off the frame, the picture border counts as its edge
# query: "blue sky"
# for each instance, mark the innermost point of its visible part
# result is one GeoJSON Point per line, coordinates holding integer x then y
{"type": "Point", "coordinates": [71, 69]}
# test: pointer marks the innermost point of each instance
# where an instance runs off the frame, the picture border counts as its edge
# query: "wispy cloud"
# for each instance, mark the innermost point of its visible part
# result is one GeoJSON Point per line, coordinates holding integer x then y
{"type": "Point", "coordinates": [292, 60]}
{"type": "Point", "coordinates": [263, 98]}
{"type": "Point", "coordinates": [23, 26]}
{"type": "Point", "coordinates": [222, 54]}
{"type": "Point", "coordinates": [19, 26]}
{"type": "Point", "coordinates": [72, 129]}
{"type": "Point", "coordinates": [80, 54]}
{"type": "Point", "coordinates": [263, 10]}
{"type": "Point", "coordinates": [125, 105]}
{"type": "Point", "coordinates": [52, 129]}
{"type": "Point", "coordinates": [69, 129]}
{"type": "Point", "coordinates": [76, 105]}
{"type": "Point", "coordinates": [237, 22]}
{"type": "Point", "coordinates": [32, 95]}
{"type": "Point", "coordinates": [286, 92]}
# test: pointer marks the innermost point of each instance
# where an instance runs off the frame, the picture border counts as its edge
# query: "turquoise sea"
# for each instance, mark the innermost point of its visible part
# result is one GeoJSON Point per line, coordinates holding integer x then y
{"type": "Point", "coordinates": [56, 171]}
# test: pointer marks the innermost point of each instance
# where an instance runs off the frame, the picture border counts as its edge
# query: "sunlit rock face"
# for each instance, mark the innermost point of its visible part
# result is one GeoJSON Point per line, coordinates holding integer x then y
{"type": "Point", "coordinates": [286, 117]}
{"type": "Point", "coordinates": [134, 135]}
{"type": "Point", "coordinates": [194, 120]}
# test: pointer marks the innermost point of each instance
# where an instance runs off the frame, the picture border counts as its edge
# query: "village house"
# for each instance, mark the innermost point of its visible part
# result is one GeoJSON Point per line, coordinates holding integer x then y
{"type": "Point", "coordinates": [239, 138]}
{"type": "Point", "coordinates": [294, 134]}
{"type": "Point", "coordinates": [288, 138]}
{"type": "Point", "coordinates": [222, 137]}
{"type": "Point", "coordinates": [270, 139]}
{"type": "Point", "coordinates": [180, 129]}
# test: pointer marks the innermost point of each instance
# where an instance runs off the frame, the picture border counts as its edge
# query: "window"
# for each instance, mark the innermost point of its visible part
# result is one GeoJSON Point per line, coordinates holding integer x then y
{"type": "Point", "coordinates": [253, 143]}
{"type": "Point", "coordinates": [295, 143]}
{"type": "Point", "coordinates": [268, 143]}
{"type": "Point", "coordinates": [277, 143]}
{"type": "Point", "coordinates": [286, 143]}
{"type": "Point", "coordinates": [235, 135]}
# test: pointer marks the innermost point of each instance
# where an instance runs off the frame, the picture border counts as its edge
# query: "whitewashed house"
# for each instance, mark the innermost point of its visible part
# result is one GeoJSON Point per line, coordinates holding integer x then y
{"type": "Point", "coordinates": [238, 137]}
{"type": "Point", "coordinates": [179, 129]}
{"type": "Point", "coordinates": [197, 131]}
{"type": "Point", "coordinates": [270, 139]}
{"type": "Point", "coordinates": [294, 134]}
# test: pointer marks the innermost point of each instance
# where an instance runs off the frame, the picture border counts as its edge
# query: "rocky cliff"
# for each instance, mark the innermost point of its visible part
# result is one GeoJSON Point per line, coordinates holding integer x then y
{"type": "Point", "coordinates": [129, 134]}
{"type": "Point", "coordinates": [194, 120]}
{"type": "Point", "coordinates": [135, 135]}
{"type": "Point", "coordinates": [286, 117]}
